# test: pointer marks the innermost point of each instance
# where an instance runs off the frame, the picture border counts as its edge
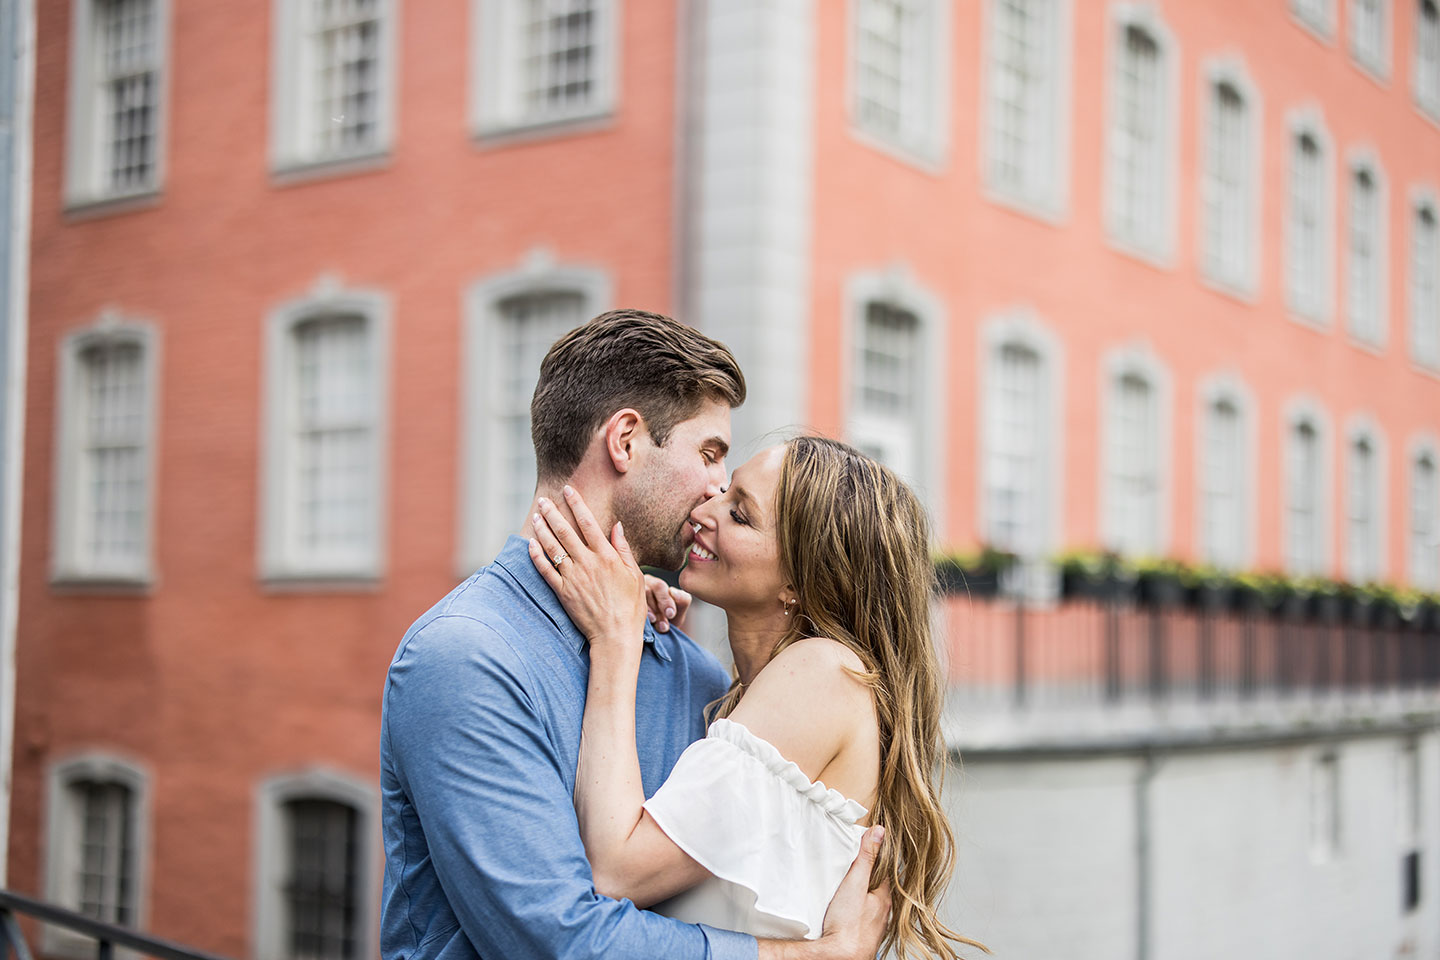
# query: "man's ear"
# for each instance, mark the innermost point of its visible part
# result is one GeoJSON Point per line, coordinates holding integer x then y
{"type": "Point", "coordinates": [621, 432]}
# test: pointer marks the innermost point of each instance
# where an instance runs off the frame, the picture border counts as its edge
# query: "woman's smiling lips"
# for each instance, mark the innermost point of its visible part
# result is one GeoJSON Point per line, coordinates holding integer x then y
{"type": "Point", "coordinates": [698, 553]}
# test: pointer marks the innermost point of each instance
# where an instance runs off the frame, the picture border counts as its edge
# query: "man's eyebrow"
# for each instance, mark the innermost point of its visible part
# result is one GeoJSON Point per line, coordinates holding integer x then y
{"type": "Point", "coordinates": [721, 445]}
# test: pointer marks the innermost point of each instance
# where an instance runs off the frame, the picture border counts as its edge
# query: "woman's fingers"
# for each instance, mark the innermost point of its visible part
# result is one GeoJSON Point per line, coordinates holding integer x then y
{"type": "Point", "coordinates": [546, 536]}
{"type": "Point", "coordinates": [543, 564]}
{"type": "Point", "coordinates": [569, 540]}
{"type": "Point", "coordinates": [584, 519]}
{"type": "Point", "coordinates": [657, 598]}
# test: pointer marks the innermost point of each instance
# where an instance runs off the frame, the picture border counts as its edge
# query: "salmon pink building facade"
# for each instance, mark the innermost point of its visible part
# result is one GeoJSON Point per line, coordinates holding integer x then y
{"type": "Point", "coordinates": [1158, 279]}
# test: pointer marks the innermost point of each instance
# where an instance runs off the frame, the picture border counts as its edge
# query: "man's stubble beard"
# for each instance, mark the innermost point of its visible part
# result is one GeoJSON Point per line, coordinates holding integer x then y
{"type": "Point", "coordinates": [655, 539]}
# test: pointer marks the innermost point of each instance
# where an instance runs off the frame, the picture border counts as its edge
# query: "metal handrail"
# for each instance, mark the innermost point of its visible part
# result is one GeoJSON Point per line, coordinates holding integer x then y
{"type": "Point", "coordinates": [106, 935]}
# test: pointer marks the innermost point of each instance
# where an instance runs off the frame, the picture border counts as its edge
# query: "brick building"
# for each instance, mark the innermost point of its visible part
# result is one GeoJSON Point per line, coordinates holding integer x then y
{"type": "Point", "coordinates": [1158, 277]}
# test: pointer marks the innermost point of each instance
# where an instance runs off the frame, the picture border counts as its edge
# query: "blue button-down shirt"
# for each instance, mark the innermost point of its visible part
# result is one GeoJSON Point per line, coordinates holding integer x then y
{"type": "Point", "coordinates": [479, 740]}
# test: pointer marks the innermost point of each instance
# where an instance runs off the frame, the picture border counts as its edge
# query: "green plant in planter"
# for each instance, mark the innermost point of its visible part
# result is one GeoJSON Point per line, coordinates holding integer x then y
{"type": "Point", "coordinates": [1092, 573]}
{"type": "Point", "coordinates": [1160, 581]}
{"type": "Point", "coordinates": [1208, 587]}
{"type": "Point", "coordinates": [1323, 598]}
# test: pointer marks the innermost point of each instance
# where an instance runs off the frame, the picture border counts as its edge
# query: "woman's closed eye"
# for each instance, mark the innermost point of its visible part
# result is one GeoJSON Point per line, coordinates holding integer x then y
{"type": "Point", "coordinates": [739, 518]}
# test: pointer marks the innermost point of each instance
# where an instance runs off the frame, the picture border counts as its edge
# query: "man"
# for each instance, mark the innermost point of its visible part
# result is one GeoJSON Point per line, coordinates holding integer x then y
{"type": "Point", "coordinates": [480, 730]}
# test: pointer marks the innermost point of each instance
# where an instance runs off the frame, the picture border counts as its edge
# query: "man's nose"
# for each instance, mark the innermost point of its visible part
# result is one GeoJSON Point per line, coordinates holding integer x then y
{"type": "Point", "coordinates": [716, 478]}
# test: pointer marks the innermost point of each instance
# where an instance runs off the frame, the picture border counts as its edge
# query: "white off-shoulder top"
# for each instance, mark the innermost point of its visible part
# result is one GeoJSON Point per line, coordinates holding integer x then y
{"type": "Point", "coordinates": [776, 844]}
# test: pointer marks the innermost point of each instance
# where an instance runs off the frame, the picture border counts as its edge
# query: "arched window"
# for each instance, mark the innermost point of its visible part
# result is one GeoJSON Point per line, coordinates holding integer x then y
{"type": "Point", "coordinates": [1364, 504]}
{"type": "Point", "coordinates": [1226, 474]}
{"type": "Point", "coordinates": [511, 320]}
{"type": "Point", "coordinates": [324, 480]}
{"type": "Point", "coordinates": [98, 845]}
{"type": "Point", "coordinates": [315, 868]}
{"type": "Point", "coordinates": [1309, 220]}
{"type": "Point", "coordinates": [1306, 493]}
{"type": "Point", "coordinates": [1136, 435]}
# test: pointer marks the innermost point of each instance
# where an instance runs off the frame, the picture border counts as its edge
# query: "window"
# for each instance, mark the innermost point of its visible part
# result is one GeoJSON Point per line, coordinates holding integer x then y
{"type": "Point", "coordinates": [96, 854]}
{"type": "Point", "coordinates": [317, 883]}
{"type": "Point", "coordinates": [117, 99]}
{"type": "Point", "coordinates": [1365, 255]}
{"type": "Point", "coordinates": [540, 62]}
{"type": "Point", "coordinates": [894, 376]}
{"type": "Point", "coordinates": [1020, 437]}
{"type": "Point", "coordinates": [1305, 496]}
{"type": "Point", "coordinates": [1317, 15]}
{"type": "Point", "coordinates": [1134, 434]}
{"type": "Point", "coordinates": [1230, 177]}
{"type": "Point", "coordinates": [1424, 538]}
{"type": "Point", "coordinates": [1364, 510]}
{"type": "Point", "coordinates": [1324, 808]}
{"type": "Point", "coordinates": [512, 321]}
{"type": "Point", "coordinates": [899, 74]}
{"type": "Point", "coordinates": [106, 425]}
{"type": "Point", "coordinates": [334, 82]}
{"type": "Point", "coordinates": [1308, 220]}
{"type": "Point", "coordinates": [324, 478]}
{"type": "Point", "coordinates": [1370, 35]}
{"type": "Point", "coordinates": [1139, 144]}
{"type": "Point", "coordinates": [1425, 286]}
{"type": "Point", "coordinates": [1025, 136]}
{"type": "Point", "coordinates": [1427, 57]}
{"type": "Point", "coordinates": [1226, 481]}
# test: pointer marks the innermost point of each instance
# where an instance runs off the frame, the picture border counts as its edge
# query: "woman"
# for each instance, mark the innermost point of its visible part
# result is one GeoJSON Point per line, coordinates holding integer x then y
{"type": "Point", "coordinates": [820, 558]}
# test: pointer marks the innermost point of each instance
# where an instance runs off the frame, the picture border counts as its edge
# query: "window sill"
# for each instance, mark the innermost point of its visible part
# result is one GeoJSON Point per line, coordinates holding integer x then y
{"type": "Point", "coordinates": [70, 583]}
{"type": "Point", "coordinates": [496, 134]}
{"type": "Point", "coordinates": [1377, 71]}
{"type": "Point", "coordinates": [1323, 32]}
{"type": "Point", "coordinates": [1373, 347]}
{"type": "Point", "coordinates": [320, 582]}
{"type": "Point", "coordinates": [1159, 256]}
{"type": "Point", "coordinates": [94, 208]}
{"type": "Point", "coordinates": [927, 158]}
{"type": "Point", "coordinates": [1425, 370]}
{"type": "Point", "coordinates": [294, 172]}
{"type": "Point", "coordinates": [1246, 292]}
{"type": "Point", "coordinates": [1044, 209]}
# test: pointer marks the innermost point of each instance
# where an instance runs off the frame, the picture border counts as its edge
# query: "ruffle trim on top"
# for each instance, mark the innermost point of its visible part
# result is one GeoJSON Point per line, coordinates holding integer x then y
{"type": "Point", "coordinates": [753, 819]}
{"type": "Point", "coordinates": [833, 802]}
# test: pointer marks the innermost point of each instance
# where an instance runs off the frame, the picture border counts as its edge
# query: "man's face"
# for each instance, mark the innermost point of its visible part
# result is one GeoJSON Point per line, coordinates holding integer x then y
{"type": "Point", "coordinates": [665, 483]}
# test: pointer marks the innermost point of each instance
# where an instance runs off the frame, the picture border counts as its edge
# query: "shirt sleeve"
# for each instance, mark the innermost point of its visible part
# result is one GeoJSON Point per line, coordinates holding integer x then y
{"type": "Point", "coordinates": [485, 780]}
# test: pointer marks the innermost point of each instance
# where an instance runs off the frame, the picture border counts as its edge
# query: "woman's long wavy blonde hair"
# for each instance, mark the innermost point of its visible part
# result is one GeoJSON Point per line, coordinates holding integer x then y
{"type": "Point", "coordinates": [854, 542]}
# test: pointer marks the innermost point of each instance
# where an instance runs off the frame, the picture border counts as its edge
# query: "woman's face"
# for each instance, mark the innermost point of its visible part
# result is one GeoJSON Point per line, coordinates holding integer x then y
{"type": "Point", "coordinates": [734, 562]}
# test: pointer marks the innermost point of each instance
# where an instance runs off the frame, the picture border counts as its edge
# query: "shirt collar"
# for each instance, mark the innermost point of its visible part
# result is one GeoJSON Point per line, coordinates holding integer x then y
{"type": "Point", "coordinates": [514, 557]}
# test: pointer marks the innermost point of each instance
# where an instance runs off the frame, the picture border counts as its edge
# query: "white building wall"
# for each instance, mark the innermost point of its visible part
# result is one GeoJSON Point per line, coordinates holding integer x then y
{"type": "Point", "coordinates": [1049, 854]}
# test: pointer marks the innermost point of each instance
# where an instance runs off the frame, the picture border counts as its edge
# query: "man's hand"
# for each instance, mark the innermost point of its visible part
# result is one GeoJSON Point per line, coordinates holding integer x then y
{"type": "Point", "coordinates": [667, 605]}
{"type": "Point", "coordinates": [855, 920]}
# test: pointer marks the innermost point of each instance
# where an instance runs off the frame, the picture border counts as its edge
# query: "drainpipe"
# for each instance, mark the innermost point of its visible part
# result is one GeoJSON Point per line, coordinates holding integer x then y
{"type": "Point", "coordinates": [17, 82]}
{"type": "Point", "coordinates": [1144, 868]}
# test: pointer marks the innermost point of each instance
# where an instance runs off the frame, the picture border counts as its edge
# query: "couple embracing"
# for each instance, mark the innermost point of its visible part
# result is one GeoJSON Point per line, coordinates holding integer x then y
{"type": "Point", "coordinates": [565, 774]}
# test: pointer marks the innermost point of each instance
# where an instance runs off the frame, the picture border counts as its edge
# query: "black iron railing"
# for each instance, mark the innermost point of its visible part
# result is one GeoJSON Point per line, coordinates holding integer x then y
{"type": "Point", "coordinates": [1113, 651]}
{"type": "Point", "coordinates": [107, 936]}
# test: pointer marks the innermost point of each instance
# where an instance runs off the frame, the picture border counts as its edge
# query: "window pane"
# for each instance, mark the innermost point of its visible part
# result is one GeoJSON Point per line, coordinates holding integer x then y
{"type": "Point", "coordinates": [1425, 289]}
{"type": "Point", "coordinates": [1226, 193]}
{"type": "Point", "coordinates": [113, 482]}
{"type": "Point", "coordinates": [345, 37]}
{"type": "Point", "coordinates": [105, 882]}
{"type": "Point", "coordinates": [1135, 144]}
{"type": "Point", "coordinates": [1424, 524]}
{"type": "Point", "coordinates": [322, 885]}
{"type": "Point", "coordinates": [1223, 472]}
{"type": "Point", "coordinates": [1013, 460]}
{"type": "Point", "coordinates": [1020, 119]}
{"type": "Point", "coordinates": [558, 65]}
{"type": "Point", "coordinates": [127, 67]}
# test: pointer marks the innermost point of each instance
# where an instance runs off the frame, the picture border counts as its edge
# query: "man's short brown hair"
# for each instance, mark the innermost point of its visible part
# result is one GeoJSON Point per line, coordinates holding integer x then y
{"type": "Point", "coordinates": [625, 358]}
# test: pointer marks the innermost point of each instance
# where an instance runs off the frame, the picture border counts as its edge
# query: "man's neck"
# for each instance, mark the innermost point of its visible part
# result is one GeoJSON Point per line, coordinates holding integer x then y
{"type": "Point", "coordinates": [598, 501]}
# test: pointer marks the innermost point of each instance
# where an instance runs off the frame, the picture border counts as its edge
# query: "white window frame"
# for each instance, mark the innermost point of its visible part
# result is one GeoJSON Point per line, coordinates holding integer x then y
{"type": "Point", "coordinates": [484, 523]}
{"type": "Point", "coordinates": [1319, 312]}
{"type": "Point", "coordinates": [1422, 446]}
{"type": "Point", "coordinates": [292, 149]}
{"type": "Point", "coordinates": [70, 563]}
{"type": "Point", "coordinates": [272, 856]}
{"type": "Point", "coordinates": [1155, 244]}
{"type": "Point", "coordinates": [1140, 361]}
{"type": "Point", "coordinates": [495, 108]}
{"type": "Point", "coordinates": [281, 560]}
{"type": "Point", "coordinates": [1375, 63]}
{"type": "Point", "coordinates": [1363, 427]}
{"type": "Point", "coordinates": [1367, 159]}
{"type": "Point", "coordinates": [1298, 410]}
{"type": "Point", "coordinates": [1050, 198]}
{"type": "Point", "coordinates": [1229, 387]}
{"type": "Point", "coordinates": [924, 137]}
{"type": "Point", "coordinates": [1023, 327]}
{"type": "Point", "coordinates": [63, 834]}
{"type": "Point", "coordinates": [1231, 70]}
{"type": "Point", "coordinates": [897, 287]}
{"type": "Point", "coordinates": [86, 170]}
{"type": "Point", "coordinates": [1320, 23]}
{"type": "Point", "coordinates": [1422, 197]}
{"type": "Point", "coordinates": [1427, 101]}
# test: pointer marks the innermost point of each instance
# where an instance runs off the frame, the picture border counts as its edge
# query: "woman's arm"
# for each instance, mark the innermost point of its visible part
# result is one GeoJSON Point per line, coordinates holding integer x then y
{"type": "Point", "coordinates": [604, 593]}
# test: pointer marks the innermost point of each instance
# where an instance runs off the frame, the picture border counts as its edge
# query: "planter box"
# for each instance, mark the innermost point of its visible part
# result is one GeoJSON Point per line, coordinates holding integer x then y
{"type": "Point", "coordinates": [976, 583]}
{"type": "Point", "coordinates": [1212, 597]}
{"type": "Point", "coordinates": [1094, 586]}
{"type": "Point", "coordinates": [1326, 608]}
{"type": "Point", "coordinates": [1159, 589]}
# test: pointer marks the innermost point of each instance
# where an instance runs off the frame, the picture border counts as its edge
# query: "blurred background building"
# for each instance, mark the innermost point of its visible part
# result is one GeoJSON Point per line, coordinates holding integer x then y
{"type": "Point", "coordinates": [1143, 297]}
